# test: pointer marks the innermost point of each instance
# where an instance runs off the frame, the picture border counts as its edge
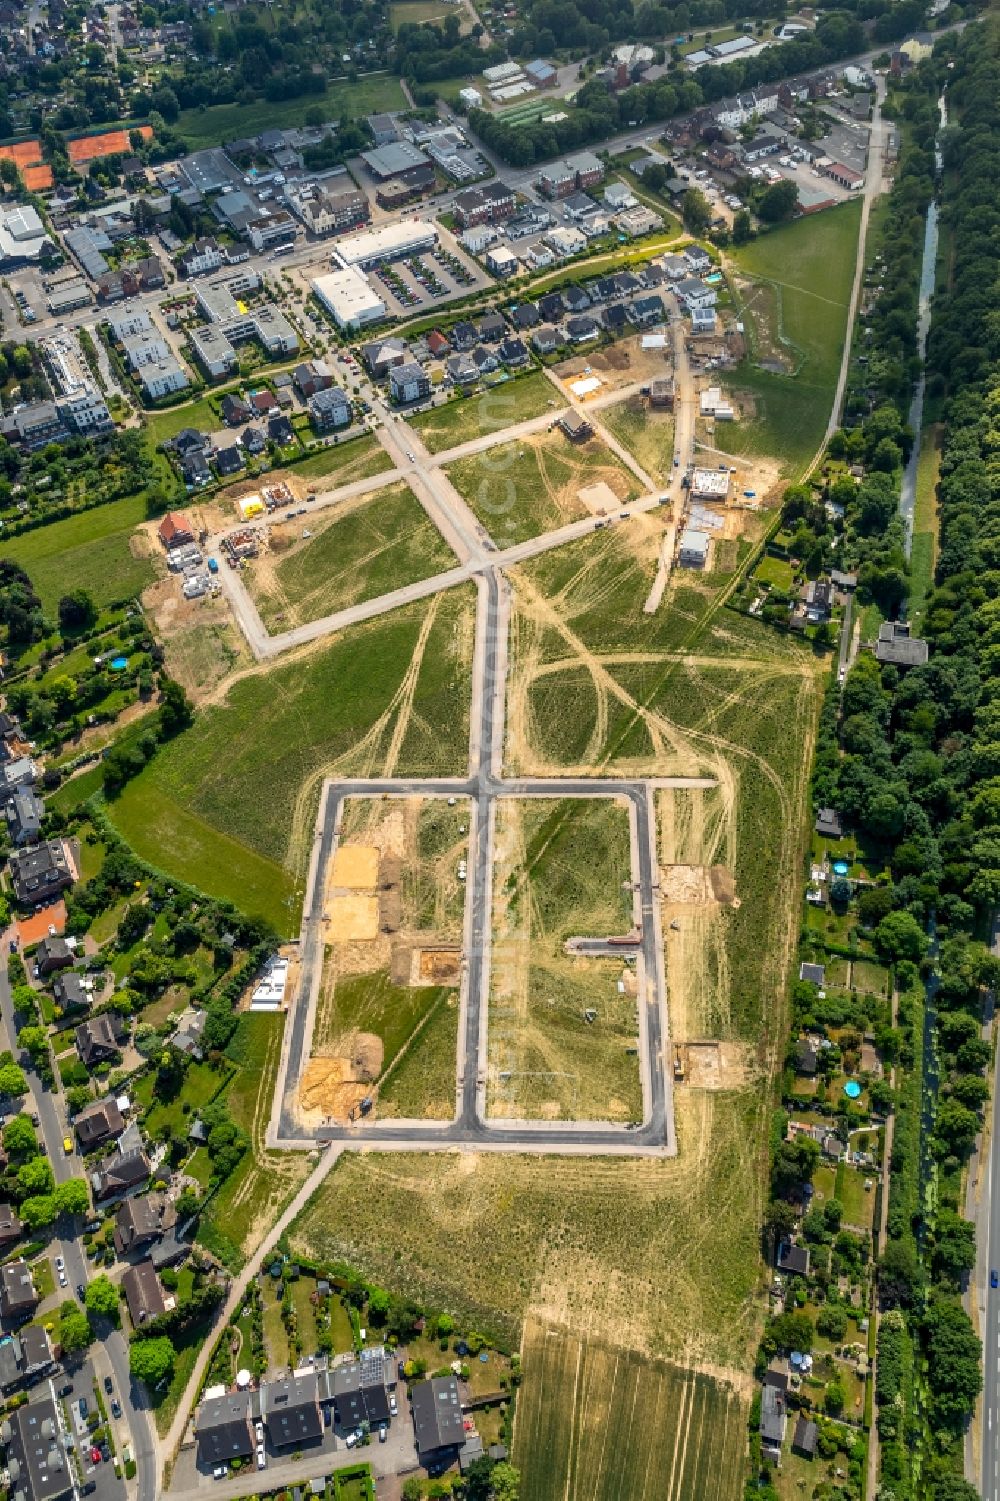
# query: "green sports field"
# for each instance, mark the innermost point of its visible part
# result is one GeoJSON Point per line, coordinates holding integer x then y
{"type": "Point", "coordinates": [87, 551]}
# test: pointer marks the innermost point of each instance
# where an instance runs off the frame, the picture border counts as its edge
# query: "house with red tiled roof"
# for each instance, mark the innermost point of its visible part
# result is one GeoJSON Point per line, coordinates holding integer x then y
{"type": "Point", "coordinates": [175, 530]}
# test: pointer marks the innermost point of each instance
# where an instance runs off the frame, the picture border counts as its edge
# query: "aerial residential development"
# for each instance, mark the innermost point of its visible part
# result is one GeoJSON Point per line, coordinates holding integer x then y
{"type": "Point", "coordinates": [498, 752]}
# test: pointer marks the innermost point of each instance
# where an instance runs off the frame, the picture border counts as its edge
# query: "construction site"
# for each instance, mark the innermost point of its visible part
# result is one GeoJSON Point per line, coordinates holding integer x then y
{"type": "Point", "coordinates": [392, 902]}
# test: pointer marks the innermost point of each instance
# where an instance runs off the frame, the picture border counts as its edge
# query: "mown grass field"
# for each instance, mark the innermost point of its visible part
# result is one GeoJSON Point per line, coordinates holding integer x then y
{"type": "Point", "coordinates": [462, 419]}
{"type": "Point", "coordinates": [361, 549]}
{"type": "Point", "coordinates": [811, 262]}
{"type": "Point", "coordinates": [230, 804]}
{"type": "Point", "coordinates": [87, 551]}
{"type": "Point", "coordinates": [208, 126]}
{"type": "Point", "coordinates": [525, 489]}
{"type": "Point", "coordinates": [633, 1427]}
{"type": "Point", "coordinates": [563, 869]}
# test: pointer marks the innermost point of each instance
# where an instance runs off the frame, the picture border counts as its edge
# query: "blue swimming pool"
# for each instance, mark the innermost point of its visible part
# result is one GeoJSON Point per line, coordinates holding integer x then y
{"type": "Point", "coordinates": [852, 1089]}
{"type": "Point", "coordinates": [840, 867]}
{"type": "Point", "coordinates": [118, 664]}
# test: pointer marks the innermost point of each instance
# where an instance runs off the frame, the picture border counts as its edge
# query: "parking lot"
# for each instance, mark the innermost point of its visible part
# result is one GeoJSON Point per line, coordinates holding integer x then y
{"type": "Point", "coordinates": [397, 1456]}
{"type": "Point", "coordinates": [97, 1476]}
{"type": "Point", "coordinates": [434, 276]}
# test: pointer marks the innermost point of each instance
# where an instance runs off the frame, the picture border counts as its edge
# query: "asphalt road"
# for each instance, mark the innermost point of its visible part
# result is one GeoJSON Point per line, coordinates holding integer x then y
{"type": "Point", "coordinates": [483, 786]}
{"type": "Point", "coordinates": [110, 1353]}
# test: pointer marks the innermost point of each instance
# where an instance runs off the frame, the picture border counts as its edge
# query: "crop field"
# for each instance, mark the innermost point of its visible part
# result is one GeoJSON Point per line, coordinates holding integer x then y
{"type": "Point", "coordinates": [525, 489]}
{"type": "Point", "coordinates": [254, 1196]}
{"type": "Point", "coordinates": [501, 406]}
{"type": "Point", "coordinates": [230, 804]}
{"type": "Point", "coordinates": [362, 548]}
{"type": "Point", "coordinates": [562, 1039]}
{"type": "Point", "coordinates": [207, 125]}
{"type": "Point", "coordinates": [648, 435]}
{"type": "Point", "coordinates": [91, 550]}
{"type": "Point", "coordinates": [637, 1428]}
{"type": "Point", "coordinates": [809, 265]}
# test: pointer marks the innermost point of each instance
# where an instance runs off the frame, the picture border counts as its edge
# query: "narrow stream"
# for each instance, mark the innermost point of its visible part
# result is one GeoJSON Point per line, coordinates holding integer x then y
{"type": "Point", "coordinates": [928, 267]}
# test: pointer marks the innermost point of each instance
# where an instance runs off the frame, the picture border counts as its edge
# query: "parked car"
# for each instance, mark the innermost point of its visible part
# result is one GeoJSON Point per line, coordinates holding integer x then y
{"type": "Point", "coordinates": [393, 1406]}
{"type": "Point", "coordinates": [67, 1390]}
{"type": "Point", "coordinates": [95, 1455]}
{"type": "Point", "coordinates": [259, 1431]}
{"type": "Point", "coordinates": [116, 1410]}
{"type": "Point", "coordinates": [261, 1461]}
{"type": "Point", "coordinates": [220, 1472]}
{"type": "Point", "coordinates": [993, 1279]}
{"type": "Point", "coordinates": [383, 1434]}
{"type": "Point", "coordinates": [109, 1385]}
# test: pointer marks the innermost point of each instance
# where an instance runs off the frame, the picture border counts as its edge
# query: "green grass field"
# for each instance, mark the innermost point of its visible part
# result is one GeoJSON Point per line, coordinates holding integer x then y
{"type": "Point", "coordinates": [633, 1427]}
{"type": "Point", "coordinates": [359, 550]}
{"type": "Point", "coordinates": [206, 127]}
{"type": "Point", "coordinates": [230, 804]}
{"type": "Point", "coordinates": [563, 870]}
{"type": "Point", "coordinates": [420, 1085]}
{"type": "Point", "coordinates": [255, 1194]}
{"type": "Point", "coordinates": [202, 413]}
{"type": "Point", "coordinates": [525, 489]}
{"type": "Point", "coordinates": [347, 461]}
{"type": "Point", "coordinates": [372, 1003]}
{"type": "Point", "coordinates": [465, 418]}
{"type": "Point", "coordinates": [811, 263]}
{"type": "Point", "coordinates": [87, 551]}
{"type": "Point", "coordinates": [648, 436]}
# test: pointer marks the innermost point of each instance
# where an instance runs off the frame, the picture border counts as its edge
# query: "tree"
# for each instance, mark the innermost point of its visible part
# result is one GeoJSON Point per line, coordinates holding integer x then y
{"type": "Point", "coordinates": [955, 1129]}
{"type": "Point", "coordinates": [413, 1490]}
{"type": "Point", "coordinates": [35, 1177]}
{"type": "Point", "coordinates": [832, 1321]}
{"type": "Point", "coordinates": [505, 1481]}
{"type": "Point", "coordinates": [102, 1298]}
{"type": "Point", "coordinates": [741, 227]}
{"type": "Point", "coordinates": [12, 1080]}
{"type": "Point", "coordinates": [38, 1210]}
{"type": "Point", "coordinates": [954, 1362]}
{"type": "Point", "coordinates": [954, 1247]}
{"type": "Point", "coordinates": [19, 1137]}
{"type": "Point", "coordinates": [75, 1332]}
{"type": "Point", "coordinates": [873, 904]}
{"type": "Point", "coordinates": [77, 611]}
{"type": "Point", "coordinates": [72, 1197]}
{"type": "Point", "coordinates": [35, 1041]}
{"type": "Point", "coordinates": [378, 1306]}
{"type": "Point", "coordinates": [835, 1397]}
{"type": "Point", "coordinates": [696, 211]}
{"type": "Point", "coordinates": [793, 1331]}
{"type": "Point", "coordinates": [900, 936]}
{"type": "Point", "coordinates": [900, 1279]}
{"type": "Point", "coordinates": [779, 202]}
{"type": "Point", "coordinates": [151, 1360]}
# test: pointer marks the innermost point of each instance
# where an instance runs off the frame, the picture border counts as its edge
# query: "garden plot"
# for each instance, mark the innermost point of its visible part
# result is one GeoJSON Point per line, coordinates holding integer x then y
{"type": "Point", "coordinates": [393, 902]}
{"type": "Point", "coordinates": [563, 1029]}
{"type": "Point", "coordinates": [365, 546]}
{"type": "Point", "coordinates": [536, 484]}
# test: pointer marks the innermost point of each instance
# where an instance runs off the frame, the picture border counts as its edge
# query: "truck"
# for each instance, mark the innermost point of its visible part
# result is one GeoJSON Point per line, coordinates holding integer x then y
{"type": "Point", "coordinates": [213, 565]}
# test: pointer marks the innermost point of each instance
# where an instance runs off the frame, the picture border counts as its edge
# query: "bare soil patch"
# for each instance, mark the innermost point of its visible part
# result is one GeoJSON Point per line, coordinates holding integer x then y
{"type": "Point", "coordinates": [599, 498]}
{"type": "Point", "coordinates": [714, 1065]}
{"type": "Point", "coordinates": [353, 918]}
{"type": "Point", "coordinates": [620, 364]}
{"type": "Point", "coordinates": [333, 1086]}
{"type": "Point", "coordinates": [356, 866]}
